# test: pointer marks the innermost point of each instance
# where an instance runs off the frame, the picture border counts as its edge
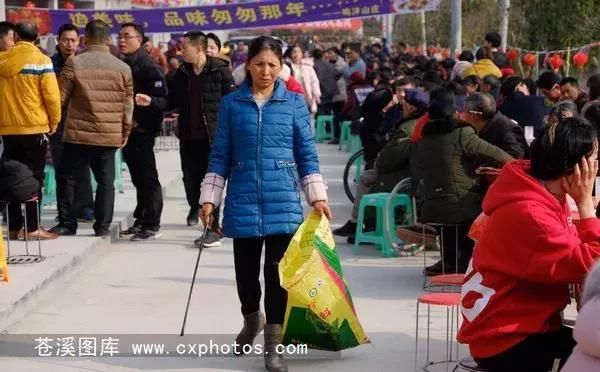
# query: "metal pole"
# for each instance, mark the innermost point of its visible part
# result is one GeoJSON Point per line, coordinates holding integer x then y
{"type": "Point", "coordinates": [2, 10]}
{"type": "Point", "coordinates": [389, 31]}
{"type": "Point", "coordinates": [504, 16]}
{"type": "Point", "coordinates": [456, 27]}
{"type": "Point", "coordinates": [423, 33]}
{"type": "Point", "coordinates": [54, 4]}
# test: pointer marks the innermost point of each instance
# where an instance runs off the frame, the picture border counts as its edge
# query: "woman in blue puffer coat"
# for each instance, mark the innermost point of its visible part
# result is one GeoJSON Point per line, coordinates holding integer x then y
{"type": "Point", "coordinates": [264, 148]}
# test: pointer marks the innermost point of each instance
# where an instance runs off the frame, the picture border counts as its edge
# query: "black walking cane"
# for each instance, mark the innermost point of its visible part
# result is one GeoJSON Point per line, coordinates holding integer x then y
{"type": "Point", "coordinates": [194, 278]}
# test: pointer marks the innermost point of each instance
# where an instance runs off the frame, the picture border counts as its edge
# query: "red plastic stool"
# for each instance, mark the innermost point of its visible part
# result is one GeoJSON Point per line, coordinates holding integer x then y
{"type": "Point", "coordinates": [450, 301]}
{"type": "Point", "coordinates": [455, 281]}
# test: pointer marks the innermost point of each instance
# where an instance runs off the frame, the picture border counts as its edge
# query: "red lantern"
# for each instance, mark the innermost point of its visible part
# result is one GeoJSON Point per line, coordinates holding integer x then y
{"type": "Point", "coordinates": [529, 59]}
{"type": "Point", "coordinates": [512, 54]}
{"type": "Point", "coordinates": [29, 5]}
{"type": "Point", "coordinates": [556, 61]}
{"type": "Point", "coordinates": [69, 5]}
{"type": "Point", "coordinates": [580, 59]}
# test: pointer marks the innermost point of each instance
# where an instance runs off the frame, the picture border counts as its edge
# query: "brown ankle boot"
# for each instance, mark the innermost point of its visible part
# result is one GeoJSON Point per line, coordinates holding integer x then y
{"type": "Point", "coordinates": [273, 361]}
{"type": "Point", "coordinates": [253, 324]}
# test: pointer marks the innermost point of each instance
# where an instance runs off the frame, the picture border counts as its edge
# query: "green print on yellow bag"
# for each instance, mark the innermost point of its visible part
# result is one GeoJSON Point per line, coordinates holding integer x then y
{"type": "Point", "coordinates": [319, 311]}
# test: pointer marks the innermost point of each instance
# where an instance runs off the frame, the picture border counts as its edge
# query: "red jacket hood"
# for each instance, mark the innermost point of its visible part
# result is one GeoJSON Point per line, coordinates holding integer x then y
{"type": "Point", "coordinates": [515, 184]}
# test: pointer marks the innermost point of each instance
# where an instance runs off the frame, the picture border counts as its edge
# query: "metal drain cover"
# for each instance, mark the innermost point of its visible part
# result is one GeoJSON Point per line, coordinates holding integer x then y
{"type": "Point", "coordinates": [24, 259]}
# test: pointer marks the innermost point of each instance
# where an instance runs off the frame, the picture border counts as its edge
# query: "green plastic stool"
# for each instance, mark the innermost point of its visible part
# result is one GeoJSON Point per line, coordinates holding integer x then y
{"type": "Point", "coordinates": [355, 143]}
{"type": "Point", "coordinates": [359, 163]}
{"type": "Point", "coordinates": [322, 133]}
{"type": "Point", "coordinates": [345, 135]}
{"type": "Point", "coordinates": [377, 237]}
{"type": "Point", "coordinates": [119, 184]}
{"type": "Point", "coordinates": [49, 191]}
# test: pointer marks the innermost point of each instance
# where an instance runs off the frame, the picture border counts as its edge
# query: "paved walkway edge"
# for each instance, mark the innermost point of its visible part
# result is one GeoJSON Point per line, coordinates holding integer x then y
{"type": "Point", "coordinates": [14, 311]}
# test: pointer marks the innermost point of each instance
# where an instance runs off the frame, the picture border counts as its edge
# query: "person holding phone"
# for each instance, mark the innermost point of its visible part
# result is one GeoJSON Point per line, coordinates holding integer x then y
{"type": "Point", "coordinates": [530, 251]}
{"type": "Point", "coordinates": [265, 149]}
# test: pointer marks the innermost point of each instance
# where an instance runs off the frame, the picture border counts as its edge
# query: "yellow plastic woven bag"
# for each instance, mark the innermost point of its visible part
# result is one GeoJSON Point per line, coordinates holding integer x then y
{"type": "Point", "coordinates": [320, 312]}
{"type": "Point", "coordinates": [3, 265]}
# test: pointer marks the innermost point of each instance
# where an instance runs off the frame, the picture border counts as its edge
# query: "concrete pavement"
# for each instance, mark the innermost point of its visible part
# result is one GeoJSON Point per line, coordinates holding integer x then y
{"type": "Point", "coordinates": [141, 288]}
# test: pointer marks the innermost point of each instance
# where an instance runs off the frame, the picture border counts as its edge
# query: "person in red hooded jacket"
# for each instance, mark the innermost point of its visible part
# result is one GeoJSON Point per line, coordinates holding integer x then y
{"type": "Point", "coordinates": [530, 251]}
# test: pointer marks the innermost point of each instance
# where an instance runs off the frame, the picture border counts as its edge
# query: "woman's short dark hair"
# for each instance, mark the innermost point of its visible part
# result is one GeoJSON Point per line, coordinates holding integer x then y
{"type": "Point", "coordinates": [442, 106]}
{"type": "Point", "coordinates": [560, 147]}
{"type": "Point", "coordinates": [261, 44]}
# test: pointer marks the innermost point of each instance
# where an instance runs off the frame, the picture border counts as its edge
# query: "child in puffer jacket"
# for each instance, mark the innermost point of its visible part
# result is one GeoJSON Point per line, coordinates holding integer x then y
{"type": "Point", "coordinates": [586, 355]}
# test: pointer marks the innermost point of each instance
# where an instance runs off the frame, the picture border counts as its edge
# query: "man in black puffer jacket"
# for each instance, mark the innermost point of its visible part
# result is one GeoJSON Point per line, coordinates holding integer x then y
{"type": "Point", "coordinates": [148, 81]}
{"type": "Point", "coordinates": [195, 93]}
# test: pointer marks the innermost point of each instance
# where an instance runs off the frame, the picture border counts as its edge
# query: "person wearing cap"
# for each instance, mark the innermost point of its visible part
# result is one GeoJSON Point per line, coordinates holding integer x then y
{"type": "Point", "coordinates": [447, 156]}
{"type": "Point", "coordinates": [549, 85]}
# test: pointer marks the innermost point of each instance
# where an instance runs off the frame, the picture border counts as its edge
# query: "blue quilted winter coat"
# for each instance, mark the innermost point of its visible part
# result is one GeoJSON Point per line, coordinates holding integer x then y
{"type": "Point", "coordinates": [263, 153]}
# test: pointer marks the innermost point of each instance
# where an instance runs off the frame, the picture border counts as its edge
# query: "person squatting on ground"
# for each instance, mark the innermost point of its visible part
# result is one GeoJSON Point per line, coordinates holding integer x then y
{"type": "Point", "coordinates": [265, 149]}
{"type": "Point", "coordinates": [97, 92]}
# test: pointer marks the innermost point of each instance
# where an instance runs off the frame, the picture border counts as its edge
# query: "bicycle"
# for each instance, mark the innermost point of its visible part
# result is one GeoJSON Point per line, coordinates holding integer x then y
{"type": "Point", "coordinates": [351, 171]}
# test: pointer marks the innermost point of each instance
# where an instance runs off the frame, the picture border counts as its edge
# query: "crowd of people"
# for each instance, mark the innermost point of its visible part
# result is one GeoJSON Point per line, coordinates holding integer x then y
{"type": "Point", "coordinates": [472, 135]}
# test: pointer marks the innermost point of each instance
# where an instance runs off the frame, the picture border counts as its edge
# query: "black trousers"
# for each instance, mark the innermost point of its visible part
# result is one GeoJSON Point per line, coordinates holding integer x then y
{"type": "Point", "coordinates": [139, 156]}
{"type": "Point", "coordinates": [195, 156]}
{"type": "Point", "coordinates": [465, 245]}
{"type": "Point", "coordinates": [83, 186]}
{"type": "Point", "coordinates": [31, 151]}
{"type": "Point", "coordinates": [333, 108]}
{"type": "Point", "coordinates": [76, 160]}
{"type": "Point", "coordinates": [246, 255]}
{"type": "Point", "coordinates": [534, 354]}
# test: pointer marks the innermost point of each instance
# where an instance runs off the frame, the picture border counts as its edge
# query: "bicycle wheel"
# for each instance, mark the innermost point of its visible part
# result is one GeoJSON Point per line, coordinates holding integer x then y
{"type": "Point", "coordinates": [350, 180]}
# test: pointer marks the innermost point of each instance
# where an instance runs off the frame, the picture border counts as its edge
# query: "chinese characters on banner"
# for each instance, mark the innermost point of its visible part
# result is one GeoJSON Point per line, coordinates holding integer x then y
{"type": "Point", "coordinates": [236, 16]}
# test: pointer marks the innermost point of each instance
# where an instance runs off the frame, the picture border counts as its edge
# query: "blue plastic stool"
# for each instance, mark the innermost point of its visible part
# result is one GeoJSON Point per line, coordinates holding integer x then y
{"type": "Point", "coordinates": [377, 237]}
{"type": "Point", "coordinates": [322, 134]}
{"type": "Point", "coordinates": [345, 135]}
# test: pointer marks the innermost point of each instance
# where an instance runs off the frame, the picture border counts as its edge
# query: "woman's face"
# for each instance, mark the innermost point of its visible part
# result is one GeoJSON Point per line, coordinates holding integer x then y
{"type": "Point", "coordinates": [264, 69]}
{"type": "Point", "coordinates": [296, 54]}
{"type": "Point", "coordinates": [212, 49]}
